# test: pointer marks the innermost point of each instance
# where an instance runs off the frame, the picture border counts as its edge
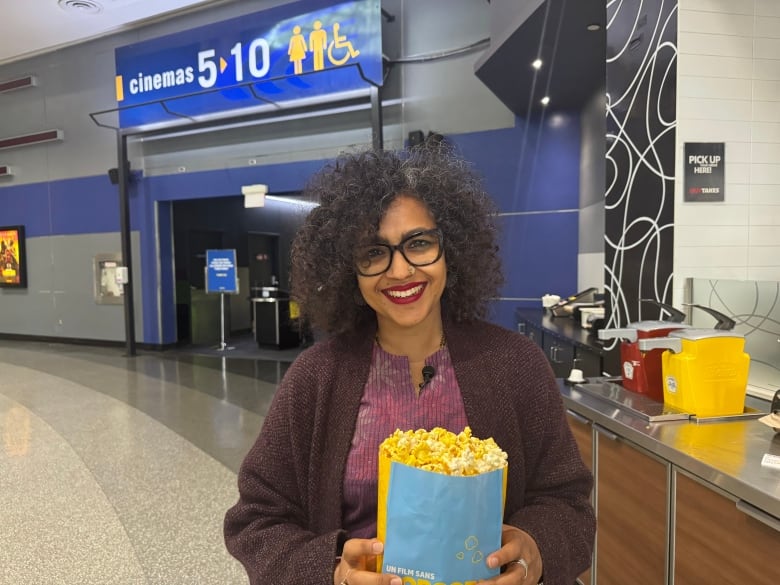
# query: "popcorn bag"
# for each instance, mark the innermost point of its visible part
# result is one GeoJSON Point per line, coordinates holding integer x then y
{"type": "Point", "coordinates": [440, 507]}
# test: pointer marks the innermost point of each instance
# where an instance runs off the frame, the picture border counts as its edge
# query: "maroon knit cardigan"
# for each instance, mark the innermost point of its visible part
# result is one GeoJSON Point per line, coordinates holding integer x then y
{"type": "Point", "coordinates": [286, 526]}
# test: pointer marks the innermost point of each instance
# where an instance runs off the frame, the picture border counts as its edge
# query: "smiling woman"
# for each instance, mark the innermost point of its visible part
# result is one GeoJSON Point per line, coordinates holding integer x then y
{"type": "Point", "coordinates": [396, 267]}
{"type": "Point", "coordinates": [365, 185]}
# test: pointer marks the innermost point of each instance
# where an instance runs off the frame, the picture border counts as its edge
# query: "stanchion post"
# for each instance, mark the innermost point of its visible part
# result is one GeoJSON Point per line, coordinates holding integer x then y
{"type": "Point", "coordinates": [222, 321]}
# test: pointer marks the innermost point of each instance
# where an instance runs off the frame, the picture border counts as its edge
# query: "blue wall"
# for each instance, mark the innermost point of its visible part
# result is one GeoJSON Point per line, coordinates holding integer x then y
{"type": "Point", "coordinates": [532, 171]}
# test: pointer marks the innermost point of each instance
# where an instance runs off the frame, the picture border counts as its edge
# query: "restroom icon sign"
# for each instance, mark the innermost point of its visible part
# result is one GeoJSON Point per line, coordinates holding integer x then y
{"type": "Point", "coordinates": [313, 48]}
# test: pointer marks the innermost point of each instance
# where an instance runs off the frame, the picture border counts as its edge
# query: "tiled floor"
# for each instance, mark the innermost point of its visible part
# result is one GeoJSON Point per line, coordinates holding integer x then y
{"type": "Point", "coordinates": [118, 470]}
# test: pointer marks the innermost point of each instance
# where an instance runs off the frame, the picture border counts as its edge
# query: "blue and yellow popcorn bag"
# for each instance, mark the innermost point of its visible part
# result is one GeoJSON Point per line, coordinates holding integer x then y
{"type": "Point", "coordinates": [440, 507]}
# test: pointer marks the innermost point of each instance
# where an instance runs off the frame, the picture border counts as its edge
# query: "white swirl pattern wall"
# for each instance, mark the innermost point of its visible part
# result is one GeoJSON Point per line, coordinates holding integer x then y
{"type": "Point", "coordinates": [641, 123]}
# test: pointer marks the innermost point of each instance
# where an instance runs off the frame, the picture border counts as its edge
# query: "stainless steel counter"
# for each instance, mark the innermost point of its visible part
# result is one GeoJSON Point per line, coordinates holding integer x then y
{"type": "Point", "coordinates": [726, 453]}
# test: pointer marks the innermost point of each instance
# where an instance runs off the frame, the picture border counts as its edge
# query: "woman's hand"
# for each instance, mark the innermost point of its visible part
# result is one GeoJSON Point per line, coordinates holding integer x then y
{"type": "Point", "coordinates": [516, 545]}
{"type": "Point", "coordinates": [358, 564]}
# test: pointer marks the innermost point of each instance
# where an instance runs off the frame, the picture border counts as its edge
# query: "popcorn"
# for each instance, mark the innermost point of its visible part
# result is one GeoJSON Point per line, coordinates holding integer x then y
{"type": "Point", "coordinates": [442, 451]}
{"type": "Point", "coordinates": [440, 502]}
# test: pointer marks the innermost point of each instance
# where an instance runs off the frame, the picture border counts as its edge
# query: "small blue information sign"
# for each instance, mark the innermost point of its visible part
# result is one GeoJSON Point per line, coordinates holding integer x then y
{"type": "Point", "coordinates": [221, 274]}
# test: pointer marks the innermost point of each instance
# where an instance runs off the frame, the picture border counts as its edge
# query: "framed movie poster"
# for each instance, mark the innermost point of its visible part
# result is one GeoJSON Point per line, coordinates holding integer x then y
{"type": "Point", "coordinates": [13, 262]}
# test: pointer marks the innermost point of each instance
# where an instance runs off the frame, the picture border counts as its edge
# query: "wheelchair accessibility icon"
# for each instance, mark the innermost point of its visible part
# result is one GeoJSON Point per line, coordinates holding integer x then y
{"type": "Point", "coordinates": [341, 42]}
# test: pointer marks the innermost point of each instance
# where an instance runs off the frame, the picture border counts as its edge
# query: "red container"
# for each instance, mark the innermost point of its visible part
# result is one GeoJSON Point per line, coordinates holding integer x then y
{"type": "Point", "coordinates": [642, 370]}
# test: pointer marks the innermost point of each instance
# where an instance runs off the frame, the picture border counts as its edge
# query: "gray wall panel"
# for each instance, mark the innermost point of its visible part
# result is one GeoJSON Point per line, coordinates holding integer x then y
{"type": "Point", "coordinates": [72, 83]}
{"type": "Point", "coordinates": [445, 95]}
{"type": "Point", "coordinates": [30, 311]}
{"type": "Point", "coordinates": [592, 187]}
{"type": "Point", "coordinates": [59, 300]}
{"type": "Point", "coordinates": [594, 147]}
{"type": "Point", "coordinates": [592, 229]}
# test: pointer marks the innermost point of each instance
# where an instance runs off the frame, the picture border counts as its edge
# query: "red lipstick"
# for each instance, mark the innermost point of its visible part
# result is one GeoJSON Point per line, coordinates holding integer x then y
{"type": "Point", "coordinates": [404, 294]}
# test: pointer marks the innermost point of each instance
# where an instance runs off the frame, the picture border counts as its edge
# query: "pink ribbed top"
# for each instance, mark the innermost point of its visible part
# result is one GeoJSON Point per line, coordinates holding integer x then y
{"type": "Point", "coordinates": [390, 402]}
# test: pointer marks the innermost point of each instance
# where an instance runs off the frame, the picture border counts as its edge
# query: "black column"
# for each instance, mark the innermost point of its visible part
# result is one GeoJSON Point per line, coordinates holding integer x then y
{"type": "Point", "coordinates": [123, 176]}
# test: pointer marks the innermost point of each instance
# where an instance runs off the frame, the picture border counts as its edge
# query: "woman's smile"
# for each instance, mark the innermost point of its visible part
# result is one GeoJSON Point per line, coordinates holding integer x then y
{"type": "Point", "coordinates": [405, 294]}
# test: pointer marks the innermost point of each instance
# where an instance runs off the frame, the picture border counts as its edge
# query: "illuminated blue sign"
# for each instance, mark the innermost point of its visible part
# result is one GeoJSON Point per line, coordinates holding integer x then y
{"type": "Point", "coordinates": [221, 275]}
{"type": "Point", "coordinates": [280, 55]}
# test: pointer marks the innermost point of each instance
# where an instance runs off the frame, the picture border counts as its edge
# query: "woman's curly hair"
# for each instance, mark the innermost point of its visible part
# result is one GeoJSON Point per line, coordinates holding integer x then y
{"type": "Point", "coordinates": [354, 193]}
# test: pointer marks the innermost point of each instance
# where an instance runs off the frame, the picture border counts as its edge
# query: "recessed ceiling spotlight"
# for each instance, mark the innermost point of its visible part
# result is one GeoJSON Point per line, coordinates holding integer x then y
{"type": "Point", "coordinates": [545, 100]}
{"type": "Point", "coordinates": [81, 6]}
{"type": "Point", "coordinates": [537, 64]}
{"type": "Point", "coordinates": [593, 27]}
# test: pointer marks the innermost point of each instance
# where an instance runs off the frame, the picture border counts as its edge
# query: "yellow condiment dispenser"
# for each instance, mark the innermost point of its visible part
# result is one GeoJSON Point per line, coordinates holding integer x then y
{"type": "Point", "coordinates": [704, 371]}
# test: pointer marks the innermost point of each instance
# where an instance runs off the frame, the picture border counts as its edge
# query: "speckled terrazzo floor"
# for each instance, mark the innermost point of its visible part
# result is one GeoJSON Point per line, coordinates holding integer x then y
{"type": "Point", "coordinates": [117, 470]}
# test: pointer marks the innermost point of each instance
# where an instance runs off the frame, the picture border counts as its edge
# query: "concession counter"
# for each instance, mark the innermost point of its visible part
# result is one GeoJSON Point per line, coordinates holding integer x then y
{"type": "Point", "coordinates": [680, 500]}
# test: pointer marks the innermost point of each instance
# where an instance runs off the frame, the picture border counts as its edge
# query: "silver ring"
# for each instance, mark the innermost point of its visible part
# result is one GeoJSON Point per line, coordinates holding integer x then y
{"type": "Point", "coordinates": [523, 563]}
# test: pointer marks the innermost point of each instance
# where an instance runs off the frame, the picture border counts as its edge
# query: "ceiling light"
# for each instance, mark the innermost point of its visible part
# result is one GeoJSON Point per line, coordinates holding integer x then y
{"type": "Point", "coordinates": [545, 100]}
{"type": "Point", "coordinates": [593, 27]}
{"type": "Point", "coordinates": [537, 64]}
{"type": "Point", "coordinates": [81, 6]}
{"type": "Point", "coordinates": [254, 195]}
{"type": "Point", "coordinates": [293, 201]}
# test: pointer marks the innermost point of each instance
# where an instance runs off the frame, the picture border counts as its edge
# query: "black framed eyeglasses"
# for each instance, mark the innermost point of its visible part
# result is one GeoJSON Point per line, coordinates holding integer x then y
{"type": "Point", "coordinates": [418, 249]}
